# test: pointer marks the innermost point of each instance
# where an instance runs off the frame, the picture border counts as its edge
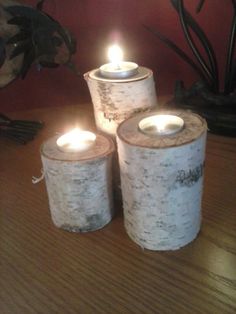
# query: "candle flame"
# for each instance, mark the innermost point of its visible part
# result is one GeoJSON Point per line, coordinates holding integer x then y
{"type": "Point", "coordinates": [115, 54]}
{"type": "Point", "coordinates": [161, 122]}
{"type": "Point", "coordinates": [76, 140]}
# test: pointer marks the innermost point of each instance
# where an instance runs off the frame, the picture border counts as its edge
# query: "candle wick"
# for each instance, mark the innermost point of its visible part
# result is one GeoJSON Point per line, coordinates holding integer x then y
{"type": "Point", "coordinates": [118, 67]}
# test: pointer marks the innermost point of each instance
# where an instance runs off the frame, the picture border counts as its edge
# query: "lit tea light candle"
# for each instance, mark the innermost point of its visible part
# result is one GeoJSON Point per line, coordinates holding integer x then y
{"type": "Point", "coordinates": [76, 141]}
{"type": "Point", "coordinates": [118, 69]}
{"type": "Point", "coordinates": [161, 124]}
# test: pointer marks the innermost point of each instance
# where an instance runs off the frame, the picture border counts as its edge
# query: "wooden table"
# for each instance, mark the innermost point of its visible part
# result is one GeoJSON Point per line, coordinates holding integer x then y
{"type": "Point", "coordinates": [47, 270]}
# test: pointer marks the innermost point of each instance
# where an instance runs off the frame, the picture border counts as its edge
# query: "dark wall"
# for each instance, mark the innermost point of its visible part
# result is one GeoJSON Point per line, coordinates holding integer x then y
{"type": "Point", "coordinates": [96, 24]}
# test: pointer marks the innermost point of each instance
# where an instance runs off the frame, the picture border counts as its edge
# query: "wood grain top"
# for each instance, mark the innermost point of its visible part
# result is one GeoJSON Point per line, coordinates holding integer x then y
{"type": "Point", "coordinates": [103, 146]}
{"type": "Point", "coordinates": [47, 270]}
{"type": "Point", "coordinates": [194, 126]}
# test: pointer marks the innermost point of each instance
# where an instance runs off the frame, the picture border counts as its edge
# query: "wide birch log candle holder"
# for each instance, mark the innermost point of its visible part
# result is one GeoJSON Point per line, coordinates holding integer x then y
{"type": "Point", "coordinates": [114, 100]}
{"type": "Point", "coordinates": [79, 184]}
{"type": "Point", "coordinates": [161, 158]}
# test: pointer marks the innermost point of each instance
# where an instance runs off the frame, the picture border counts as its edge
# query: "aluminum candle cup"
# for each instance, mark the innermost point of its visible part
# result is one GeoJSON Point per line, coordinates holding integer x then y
{"type": "Point", "coordinates": [117, 69]}
{"type": "Point", "coordinates": [160, 124]}
{"type": "Point", "coordinates": [76, 141]}
{"type": "Point", "coordinates": [161, 169]}
{"type": "Point", "coordinates": [121, 70]}
{"type": "Point", "coordinates": [78, 182]}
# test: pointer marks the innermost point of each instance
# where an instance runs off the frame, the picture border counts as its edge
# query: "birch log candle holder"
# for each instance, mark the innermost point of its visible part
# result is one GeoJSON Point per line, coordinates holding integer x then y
{"type": "Point", "coordinates": [119, 89]}
{"type": "Point", "coordinates": [78, 181]}
{"type": "Point", "coordinates": [114, 100]}
{"type": "Point", "coordinates": [161, 158]}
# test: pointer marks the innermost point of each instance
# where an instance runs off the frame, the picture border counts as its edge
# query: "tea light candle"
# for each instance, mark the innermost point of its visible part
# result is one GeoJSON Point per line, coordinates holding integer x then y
{"type": "Point", "coordinates": [76, 140]}
{"type": "Point", "coordinates": [161, 157]}
{"type": "Point", "coordinates": [161, 125]}
{"type": "Point", "coordinates": [77, 168]}
{"type": "Point", "coordinates": [118, 69]}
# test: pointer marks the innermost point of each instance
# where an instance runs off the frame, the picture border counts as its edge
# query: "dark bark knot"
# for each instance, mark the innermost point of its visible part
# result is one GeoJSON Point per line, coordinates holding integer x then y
{"type": "Point", "coordinates": [189, 177]}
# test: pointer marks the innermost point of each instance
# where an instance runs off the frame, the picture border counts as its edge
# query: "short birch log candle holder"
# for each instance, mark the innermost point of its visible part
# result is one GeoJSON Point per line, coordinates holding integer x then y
{"type": "Point", "coordinates": [79, 183]}
{"type": "Point", "coordinates": [116, 99]}
{"type": "Point", "coordinates": [161, 158]}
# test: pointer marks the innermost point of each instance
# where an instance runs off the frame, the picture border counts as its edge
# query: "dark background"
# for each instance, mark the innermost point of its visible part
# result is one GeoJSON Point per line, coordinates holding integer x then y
{"type": "Point", "coordinates": [95, 24]}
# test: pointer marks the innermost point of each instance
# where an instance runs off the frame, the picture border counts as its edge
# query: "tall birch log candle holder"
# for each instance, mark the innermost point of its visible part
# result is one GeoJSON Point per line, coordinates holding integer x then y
{"type": "Point", "coordinates": [78, 180]}
{"type": "Point", "coordinates": [118, 91]}
{"type": "Point", "coordinates": [161, 158]}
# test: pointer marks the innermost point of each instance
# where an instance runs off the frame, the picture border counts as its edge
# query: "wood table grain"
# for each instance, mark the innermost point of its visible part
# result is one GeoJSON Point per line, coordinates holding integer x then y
{"type": "Point", "coordinates": [47, 270]}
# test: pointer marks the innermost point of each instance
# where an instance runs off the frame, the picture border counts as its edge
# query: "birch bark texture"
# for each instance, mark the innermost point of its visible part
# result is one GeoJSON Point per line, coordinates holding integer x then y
{"type": "Point", "coordinates": [118, 99]}
{"type": "Point", "coordinates": [162, 182]}
{"type": "Point", "coordinates": [79, 185]}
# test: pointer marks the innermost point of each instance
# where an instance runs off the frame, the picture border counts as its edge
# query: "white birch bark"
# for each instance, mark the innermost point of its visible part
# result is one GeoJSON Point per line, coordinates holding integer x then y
{"type": "Point", "coordinates": [114, 101]}
{"type": "Point", "coordinates": [162, 181]}
{"type": "Point", "coordinates": [79, 185]}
